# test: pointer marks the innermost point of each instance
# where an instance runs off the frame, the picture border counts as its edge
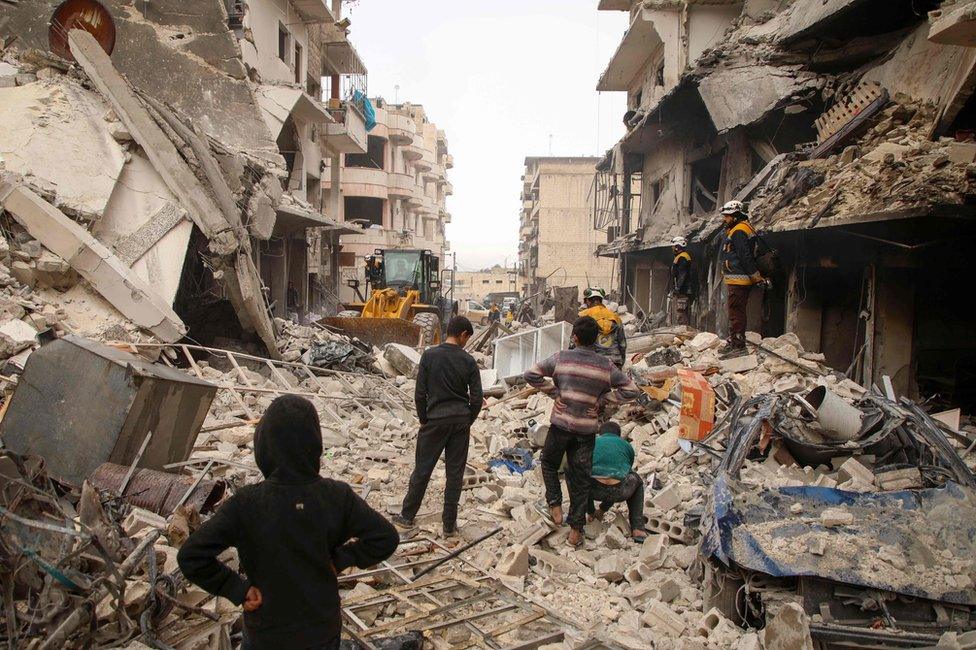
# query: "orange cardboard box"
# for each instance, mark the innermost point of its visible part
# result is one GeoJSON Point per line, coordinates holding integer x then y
{"type": "Point", "coordinates": [697, 406]}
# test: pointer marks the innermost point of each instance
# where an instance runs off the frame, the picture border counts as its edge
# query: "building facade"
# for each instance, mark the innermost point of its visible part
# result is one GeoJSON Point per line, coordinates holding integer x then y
{"type": "Point", "coordinates": [477, 285]}
{"type": "Point", "coordinates": [852, 161]}
{"type": "Point", "coordinates": [557, 239]}
{"type": "Point", "coordinates": [395, 192]}
{"type": "Point", "coordinates": [293, 46]}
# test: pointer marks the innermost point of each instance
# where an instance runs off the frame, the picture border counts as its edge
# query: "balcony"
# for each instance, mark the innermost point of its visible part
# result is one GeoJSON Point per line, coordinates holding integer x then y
{"type": "Point", "coordinates": [339, 57]}
{"type": "Point", "coordinates": [445, 216]}
{"type": "Point", "coordinates": [425, 162]}
{"type": "Point", "coordinates": [365, 181]}
{"type": "Point", "coordinates": [441, 141]}
{"type": "Point", "coordinates": [638, 45]}
{"type": "Point", "coordinates": [434, 174]}
{"type": "Point", "coordinates": [448, 161]}
{"type": "Point", "coordinates": [448, 188]}
{"type": "Point", "coordinates": [401, 185]}
{"type": "Point", "coordinates": [614, 5]}
{"type": "Point", "coordinates": [412, 152]}
{"type": "Point", "coordinates": [314, 11]}
{"type": "Point", "coordinates": [348, 133]}
{"type": "Point", "coordinates": [401, 128]}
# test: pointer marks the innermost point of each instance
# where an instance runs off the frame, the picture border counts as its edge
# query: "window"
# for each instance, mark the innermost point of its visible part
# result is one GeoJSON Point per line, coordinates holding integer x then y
{"type": "Point", "coordinates": [485, 281]}
{"type": "Point", "coordinates": [368, 211]}
{"type": "Point", "coordinates": [498, 281]}
{"type": "Point", "coordinates": [659, 75]}
{"type": "Point", "coordinates": [298, 63]}
{"type": "Point", "coordinates": [284, 40]}
{"type": "Point", "coordinates": [374, 156]}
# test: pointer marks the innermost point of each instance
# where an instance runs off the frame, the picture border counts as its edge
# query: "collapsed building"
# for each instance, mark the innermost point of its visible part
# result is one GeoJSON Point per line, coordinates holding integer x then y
{"type": "Point", "coordinates": [847, 128]}
{"type": "Point", "coordinates": [174, 159]}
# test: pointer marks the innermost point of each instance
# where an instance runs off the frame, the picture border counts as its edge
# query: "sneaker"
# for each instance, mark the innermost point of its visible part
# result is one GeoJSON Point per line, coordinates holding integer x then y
{"type": "Point", "coordinates": [402, 522]}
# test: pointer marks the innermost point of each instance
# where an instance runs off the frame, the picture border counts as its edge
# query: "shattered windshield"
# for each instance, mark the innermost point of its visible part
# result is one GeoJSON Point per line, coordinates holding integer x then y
{"type": "Point", "coordinates": [402, 268]}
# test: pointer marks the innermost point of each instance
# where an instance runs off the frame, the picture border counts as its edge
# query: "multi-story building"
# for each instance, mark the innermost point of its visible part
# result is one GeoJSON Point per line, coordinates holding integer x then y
{"type": "Point", "coordinates": [395, 191]}
{"type": "Point", "coordinates": [293, 45]}
{"type": "Point", "coordinates": [557, 240]}
{"type": "Point", "coordinates": [478, 285]}
{"type": "Point", "coordinates": [852, 164]}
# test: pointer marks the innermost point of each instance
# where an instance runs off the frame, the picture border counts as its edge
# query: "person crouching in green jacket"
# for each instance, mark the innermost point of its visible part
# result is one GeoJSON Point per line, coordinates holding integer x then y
{"type": "Point", "coordinates": [612, 479]}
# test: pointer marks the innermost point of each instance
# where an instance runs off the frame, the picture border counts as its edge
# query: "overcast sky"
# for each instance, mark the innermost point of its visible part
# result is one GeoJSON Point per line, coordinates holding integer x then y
{"type": "Point", "coordinates": [499, 77]}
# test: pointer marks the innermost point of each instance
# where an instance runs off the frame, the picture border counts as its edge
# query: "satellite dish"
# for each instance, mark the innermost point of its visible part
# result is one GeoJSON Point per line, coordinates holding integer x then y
{"type": "Point", "coordinates": [89, 15]}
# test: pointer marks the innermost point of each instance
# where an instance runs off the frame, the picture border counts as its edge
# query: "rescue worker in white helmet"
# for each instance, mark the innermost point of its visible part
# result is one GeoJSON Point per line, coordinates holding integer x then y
{"type": "Point", "coordinates": [611, 342]}
{"type": "Point", "coordinates": [740, 272]}
{"type": "Point", "coordinates": [680, 281]}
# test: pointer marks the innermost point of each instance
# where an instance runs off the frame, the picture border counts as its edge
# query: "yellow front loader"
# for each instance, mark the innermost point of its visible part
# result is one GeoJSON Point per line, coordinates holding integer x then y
{"type": "Point", "coordinates": [404, 304]}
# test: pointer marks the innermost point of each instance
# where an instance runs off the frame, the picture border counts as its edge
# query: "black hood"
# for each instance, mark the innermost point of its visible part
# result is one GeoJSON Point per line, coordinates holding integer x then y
{"type": "Point", "coordinates": [288, 441]}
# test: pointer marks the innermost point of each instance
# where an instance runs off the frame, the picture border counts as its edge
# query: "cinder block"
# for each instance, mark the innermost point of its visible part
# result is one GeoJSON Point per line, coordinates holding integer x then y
{"type": "Point", "coordinates": [660, 617]}
{"type": "Point", "coordinates": [711, 620]}
{"type": "Point", "coordinates": [515, 561]}
{"type": "Point", "coordinates": [654, 550]}
{"type": "Point", "coordinates": [669, 590]}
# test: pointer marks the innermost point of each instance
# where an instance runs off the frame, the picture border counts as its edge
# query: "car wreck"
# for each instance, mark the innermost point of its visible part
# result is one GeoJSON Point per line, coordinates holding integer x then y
{"type": "Point", "coordinates": [881, 559]}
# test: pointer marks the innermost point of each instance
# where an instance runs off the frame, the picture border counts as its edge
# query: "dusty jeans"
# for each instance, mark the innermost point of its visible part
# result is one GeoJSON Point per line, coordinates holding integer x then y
{"type": "Point", "coordinates": [334, 644]}
{"type": "Point", "coordinates": [738, 307]}
{"type": "Point", "coordinates": [436, 437]}
{"type": "Point", "coordinates": [631, 490]}
{"type": "Point", "coordinates": [578, 449]}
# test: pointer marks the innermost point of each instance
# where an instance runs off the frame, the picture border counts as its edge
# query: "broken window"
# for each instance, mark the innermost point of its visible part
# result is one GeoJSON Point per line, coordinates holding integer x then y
{"type": "Point", "coordinates": [705, 176]}
{"type": "Point", "coordinates": [659, 75]}
{"type": "Point", "coordinates": [283, 42]}
{"type": "Point", "coordinates": [374, 156]}
{"type": "Point", "coordinates": [365, 210]}
{"type": "Point", "coordinates": [298, 63]}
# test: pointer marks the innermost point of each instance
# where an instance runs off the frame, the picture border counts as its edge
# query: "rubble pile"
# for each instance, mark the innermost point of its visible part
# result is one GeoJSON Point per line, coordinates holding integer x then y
{"type": "Point", "coordinates": [661, 593]}
{"type": "Point", "coordinates": [893, 166]}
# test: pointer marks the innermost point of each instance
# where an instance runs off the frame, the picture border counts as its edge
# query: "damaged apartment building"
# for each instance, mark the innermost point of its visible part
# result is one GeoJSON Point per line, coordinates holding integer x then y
{"type": "Point", "coordinates": [847, 127]}
{"type": "Point", "coordinates": [396, 192]}
{"type": "Point", "coordinates": [172, 155]}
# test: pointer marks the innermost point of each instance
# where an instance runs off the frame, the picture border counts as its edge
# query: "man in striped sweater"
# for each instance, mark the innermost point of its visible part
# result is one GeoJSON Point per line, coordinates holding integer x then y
{"type": "Point", "coordinates": [583, 381]}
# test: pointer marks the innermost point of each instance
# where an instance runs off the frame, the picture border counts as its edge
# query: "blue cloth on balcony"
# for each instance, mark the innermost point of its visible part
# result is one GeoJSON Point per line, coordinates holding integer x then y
{"type": "Point", "coordinates": [367, 107]}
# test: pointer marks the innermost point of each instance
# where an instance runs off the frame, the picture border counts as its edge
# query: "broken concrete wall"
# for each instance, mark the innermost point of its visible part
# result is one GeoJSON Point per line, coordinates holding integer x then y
{"type": "Point", "coordinates": [177, 52]}
{"type": "Point", "coordinates": [146, 226]}
{"type": "Point", "coordinates": [707, 25]}
{"type": "Point", "coordinates": [943, 74]}
{"type": "Point", "coordinates": [744, 94]}
{"type": "Point", "coordinates": [55, 133]}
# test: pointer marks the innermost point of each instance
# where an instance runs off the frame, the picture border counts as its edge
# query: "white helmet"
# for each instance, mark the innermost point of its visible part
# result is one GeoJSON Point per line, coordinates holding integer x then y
{"type": "Point", "coordinates": [734, 207]}
{"type": "Point", "coordinates": [680, 242]}
{"type": "Point", "coordinates": [594, 292]}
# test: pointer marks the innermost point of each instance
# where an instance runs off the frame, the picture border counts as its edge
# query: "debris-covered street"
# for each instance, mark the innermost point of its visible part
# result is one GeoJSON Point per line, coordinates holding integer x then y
{"type": "Point", "coordinates": [251, 396]}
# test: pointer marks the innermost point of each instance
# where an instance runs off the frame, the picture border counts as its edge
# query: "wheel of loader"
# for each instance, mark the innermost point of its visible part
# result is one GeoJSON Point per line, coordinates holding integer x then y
{"type": "Point", "coordinates": [430, 327]}
{"type": "Point", "coordinates": [348, 313]}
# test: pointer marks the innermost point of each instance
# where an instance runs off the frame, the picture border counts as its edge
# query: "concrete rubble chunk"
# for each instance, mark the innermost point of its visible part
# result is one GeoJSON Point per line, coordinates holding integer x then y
{"type": "Point", "coordinates": [704, 341]}
{"type": "Point", "coordinates": [789, 630]}
{"type": "Point", "coordinates": [515, 561]}
{"type": "Point", "coordinates": [836, 517]}
{"type": "Point", "coordinates": [853, 469]}
{"type": "Point", "coordinates": [405, 359]}
{"type": "Point", "coordinates": [117, 283]}
{"type": "Point", "coordinates": [667, 499]}
{"type": "Point", "coordinates": [611, 567]}
{"type": "Point", "coordinates": [740, 364]}
{"type": "Point", "coordinates": [663, 620]}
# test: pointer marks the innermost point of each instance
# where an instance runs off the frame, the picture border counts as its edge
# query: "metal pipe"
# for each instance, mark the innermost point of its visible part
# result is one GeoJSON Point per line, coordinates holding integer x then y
{"type": "Point", "coordinates": [454, 554]}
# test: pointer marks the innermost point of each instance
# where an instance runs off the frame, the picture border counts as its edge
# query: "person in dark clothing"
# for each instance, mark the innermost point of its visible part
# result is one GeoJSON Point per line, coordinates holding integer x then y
{"type": "Point", "coordinates": [681, 280]}
{"type": "Point", "coordinates": [583, 381]}
{"type": "Point", "coordinates": [740, 273]}
{"type": "Point", "coordinates": [613, 479]}
{"type": "Point", "coordinates": [292, 533]}
{"type": "Point", "coordinates": [448, 398]}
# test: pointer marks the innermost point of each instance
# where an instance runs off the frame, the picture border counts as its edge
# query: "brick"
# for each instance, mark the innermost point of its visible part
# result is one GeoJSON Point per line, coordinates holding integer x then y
{"type": "Point", "coordinates": [515, 561]}
{"type": "Point", "coordinates": [668, 498]}
{"type": "Point", "coordinates": [853, 469]}
{"type": "Point", "coordinates": [611, 568]}
{"type": "Point", "coordinates": [669, 590]}
{"type": "Point", "coordinates": [709, 621]}
{"type": "Point", "coordinates": [836, 517]}
{"type": "Point", "coordinates": [550, 563]}
{"type": "Point", "coordinates": [660, 617]}
{"type": "Point", "coordinates": [899, 479]}
{"type": "Point", "coordinates": [740, 364]}
{"type": "Point", "coordinates": [138, 519]}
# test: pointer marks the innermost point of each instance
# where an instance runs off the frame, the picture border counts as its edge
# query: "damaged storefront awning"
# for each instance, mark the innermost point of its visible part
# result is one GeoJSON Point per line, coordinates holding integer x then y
{"type": "Point", "coordinates": [294, 217]}
{"type": "Point", "coordinates": [278, 103]}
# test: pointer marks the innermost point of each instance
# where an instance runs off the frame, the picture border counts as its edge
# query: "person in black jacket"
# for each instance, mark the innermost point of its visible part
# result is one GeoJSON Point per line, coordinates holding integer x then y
{"type": "Point", "coordinates": [292, 533]}
{"type": "Point", "coordinates": [681, 280]}
{"type": "Point", "coordinates": [448, 398]}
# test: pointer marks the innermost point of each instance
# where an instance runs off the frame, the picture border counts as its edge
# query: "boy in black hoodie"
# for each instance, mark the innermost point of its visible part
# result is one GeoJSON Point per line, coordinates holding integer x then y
{"type": "Point", "coordinates": [292, 534]}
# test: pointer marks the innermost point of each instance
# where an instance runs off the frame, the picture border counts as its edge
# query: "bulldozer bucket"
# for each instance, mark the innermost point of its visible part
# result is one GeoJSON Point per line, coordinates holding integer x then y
{"type": "Point", "coordinates": [377, 331]}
